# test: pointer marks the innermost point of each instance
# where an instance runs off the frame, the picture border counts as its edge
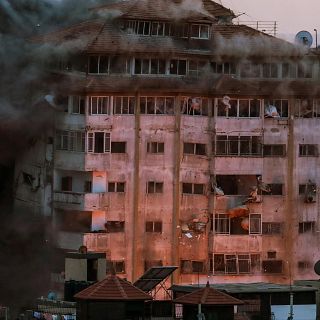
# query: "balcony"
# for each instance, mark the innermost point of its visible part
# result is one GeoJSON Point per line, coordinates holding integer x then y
{"type": "Point", "coordinates": [77, 201]}
{"type": "Point", "coordinates": [96, 241]}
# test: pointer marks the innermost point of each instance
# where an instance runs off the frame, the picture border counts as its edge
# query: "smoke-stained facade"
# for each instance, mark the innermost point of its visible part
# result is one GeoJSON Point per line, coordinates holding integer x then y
{"type": "Point", "coordinates": [183, 139]}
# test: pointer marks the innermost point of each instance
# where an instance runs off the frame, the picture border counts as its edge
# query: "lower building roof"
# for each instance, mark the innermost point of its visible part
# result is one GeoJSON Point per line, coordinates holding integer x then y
{"type": "Point", "coordinates": [256, 287]}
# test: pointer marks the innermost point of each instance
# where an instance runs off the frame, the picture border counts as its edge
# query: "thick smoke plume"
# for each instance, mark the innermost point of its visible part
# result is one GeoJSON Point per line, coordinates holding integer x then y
{"type": "Point", "coordinates": [25, 249]}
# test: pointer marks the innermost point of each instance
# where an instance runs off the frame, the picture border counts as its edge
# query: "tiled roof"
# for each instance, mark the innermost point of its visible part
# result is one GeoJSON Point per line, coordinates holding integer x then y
{"type": "Point", "coordinates": [112, 288]}
{"type": "Point", "coordinates": [208, 296]}
{"type": "Point", "coordinates": [242, 41]}
{"type": "Point", "coordinates": [105, 36]}
{"type": "Point", "coordinates": [167, 9]}
{"type": "Point", "coordinates": [217, 9]}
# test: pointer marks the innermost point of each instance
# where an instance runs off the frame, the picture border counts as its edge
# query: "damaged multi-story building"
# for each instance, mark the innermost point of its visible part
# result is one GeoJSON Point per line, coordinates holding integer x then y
{"type": "Point", "coordinates": [181, 139]}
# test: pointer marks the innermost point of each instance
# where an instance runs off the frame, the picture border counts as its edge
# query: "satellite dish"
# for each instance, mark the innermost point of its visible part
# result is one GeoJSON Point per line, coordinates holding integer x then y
{"type": "Point", "coordinates": [304, 38]}
{"type": "Point", "coordinates": [317, 267]}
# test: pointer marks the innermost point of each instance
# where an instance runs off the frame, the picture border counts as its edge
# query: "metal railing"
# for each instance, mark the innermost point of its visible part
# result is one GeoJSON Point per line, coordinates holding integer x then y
{"type": "Point", "coordinates": [269, 27]}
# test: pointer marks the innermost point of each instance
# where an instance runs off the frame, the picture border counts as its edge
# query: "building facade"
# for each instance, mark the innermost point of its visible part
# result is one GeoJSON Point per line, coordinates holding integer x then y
{"type": "Point", "coordinates": [184, 139]}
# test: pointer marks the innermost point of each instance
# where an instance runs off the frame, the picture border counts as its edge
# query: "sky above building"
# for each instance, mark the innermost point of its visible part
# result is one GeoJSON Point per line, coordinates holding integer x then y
{"type": "Point", "coordinates": [292, 16]}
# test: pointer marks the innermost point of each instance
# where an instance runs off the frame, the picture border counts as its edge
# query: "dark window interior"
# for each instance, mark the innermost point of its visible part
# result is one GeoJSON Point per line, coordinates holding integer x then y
{"type": "Point", "coordinates": [66, 184]}
{"type": "Point", "coordinates": [92, 269]}
{"type": "Point", "coordinates": [114, 226]}
{"type": "Point", "coordinates": [272, 266]}
{"type": "Point", "coordinates": [236, 184]}
{"type": "Point", "coordinates": [118, 147]}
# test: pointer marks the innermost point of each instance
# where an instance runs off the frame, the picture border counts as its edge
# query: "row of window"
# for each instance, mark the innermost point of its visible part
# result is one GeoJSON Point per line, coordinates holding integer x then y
{"type": "Point", "coordinates": [232, 108]}
{"type": "Point", "coordinates": [218, 264]}
{"type": "Point", "coordinates": [105, 64]}
{"type": "Point", "coordinates": [160, 29]}
{"type": "Point", "coordinates": [100, 142]}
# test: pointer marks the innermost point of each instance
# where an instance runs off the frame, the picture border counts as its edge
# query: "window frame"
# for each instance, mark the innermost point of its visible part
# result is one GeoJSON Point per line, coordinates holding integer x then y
{"type": "Point", "coordinates": [224, 111]}
{"type": "Point", "coordinates": [116, 186]}
{"type": "Point", "coordinates": [196, 150]}
{"type": "Point", "coordinates": [91, 139]}
{"type": "Point", "coordinates": [126, 107]}
{"type": "Point", "coordinates": [155, 147]}
{"type": "Point", "coordinates": [237, 142]}
{"type": "Point", "coordinates": [153, 226]}
{"type": "Point", "coordinates": [193, 188]}
{"type": "Point", "coordinates": [148, 103]}
{"type": "Point", "coordinates": [102, 105]}
{"type": "Point", "coordinates": [199, 26]}
{"type": "Point", "coordinates": [272, 152]}
{"type": "Point", "coordinates": [305, 148]}
{"type": "Point", "coordinates": [153, 187]}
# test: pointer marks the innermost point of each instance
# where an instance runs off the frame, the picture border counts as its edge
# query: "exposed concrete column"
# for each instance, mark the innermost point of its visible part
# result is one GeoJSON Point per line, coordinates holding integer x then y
{"type": "Point", "coordinates": [211, 168]}
{"type": "Point", "coordinates": [136, 237]}
{"type": "Point", "coordinates": [175, 255]}
{"type": "Point", "coordinates": [290, 213]}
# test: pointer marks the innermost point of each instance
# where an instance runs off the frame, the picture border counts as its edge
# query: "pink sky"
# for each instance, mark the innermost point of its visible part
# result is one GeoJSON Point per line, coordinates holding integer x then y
{"type": "Point", "coordinates": [291, 15]}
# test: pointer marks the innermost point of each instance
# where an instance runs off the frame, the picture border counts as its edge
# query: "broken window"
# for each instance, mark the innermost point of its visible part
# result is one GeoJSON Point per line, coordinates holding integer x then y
{"type": "Point", "coordinates": [70, 140]}
{"type": "Point", "coordinates": [87, 186]}
{"type": "Point", "coordinates": [118, 147]}
{"type": "Point", "coordinates": [275, 108]}
{"type": "Point", "coordinates": [222, 224]}
{"type": "Point", "coordinates": [194, 148]}
{"type": "Point", "coordinates": [238, 146]}
{"type": "Point", "coordinates": [271, 254]}
{"type": "Point", "coordinates": [196, 68]}
{"type": "Point", "coordinates": [154, 226]}
{"type": "Point", "coordinates": [272, 266]}
{"type": "Point", "coordinates": [250, 70]}
{"type": "Point", "coordinates": [192, 266]}
{"type": "Point", "coordinates": [152, 263]}
{"type": "Point", "coordinates": [242, 108]}
{"type": "Point", "coordinates": [119, 65]}
{"type": "Point", "coordinates": [123, 105]}
{"type": "Point", "coordinates": [307, 108]}
{"type": "Point", "coordinates": [199, 31]}
{"type": "Point", "coordinates": [193, 188]}
{"type": "Point", "coordinates": [304, 265]}
{"type": "Point", "coordinates": [274, 150]}
{"type": "Point", "coordinates": [223, 67]}
{"type": "Point", "coordinates": [178, 67]}
{"type": "Point", "coordinates": [115, 266]}
{"type": "Point", "coordinates": [116, 186]}
{"type": "Point", "coordinates": [270, 70]}
{"type": "Point", "coordinates": [99, 105]}
{"type": "Point", "coordinates": [157, 105]}
{"type": "Point", "coordinates": [305, 69]}
{"type": "Point", "coordinates": [99, 64]}
{"type": "Point", "coordinates": [309, 191]}
{"type": "Point", "coordinates": [150, 66]}
{"type": "Point", "coordinates": [276, 189]}
{"type": "Point", "coordinates": [307, 226]}
{"type": "Point", "coordinates": [194, 106]}
{"type": "Point", "coordinates": [78, 105]}
{"type": "Point", "coordinates": [66, 183]}
{"type": "Point", "coordinates": [155, 147]}
{"type": "Point", "coordinates": [154, 187]}
{"type": "Point", "coordinates": [271, 228]}
{"type": "Point", "coordinates": [308, 150]}
{"type": "Point", "coordinates": [27, 179]}
{"type": "Point", "coordinates": [236, 263]}
{"type": "Point", "coordinates": [255, 223]}
{"type": "Point", "coordinates": [114, 226]}
{"type": "Point", "coordinates": [289, 70]}
{"type": "Point", "coordinates": [236, 184]}
{"type": "Point", "coordinates": [181, 30]}
{"type": "Point", "coordinates": [98, 142]}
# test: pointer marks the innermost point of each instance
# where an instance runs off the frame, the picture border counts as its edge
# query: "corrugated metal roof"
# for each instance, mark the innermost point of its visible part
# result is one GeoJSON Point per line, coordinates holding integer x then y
{"type": "Point", "coordinates": [208, 296]}
{"type": "Point", "coordinates": [112, 288]}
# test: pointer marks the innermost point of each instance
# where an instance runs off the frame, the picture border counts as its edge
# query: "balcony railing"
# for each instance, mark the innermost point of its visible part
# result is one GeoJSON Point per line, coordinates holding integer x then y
{"type": "Point", "coordinates": [77, 201]}
{"type": "Point", "coordinates": [96, 241]}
